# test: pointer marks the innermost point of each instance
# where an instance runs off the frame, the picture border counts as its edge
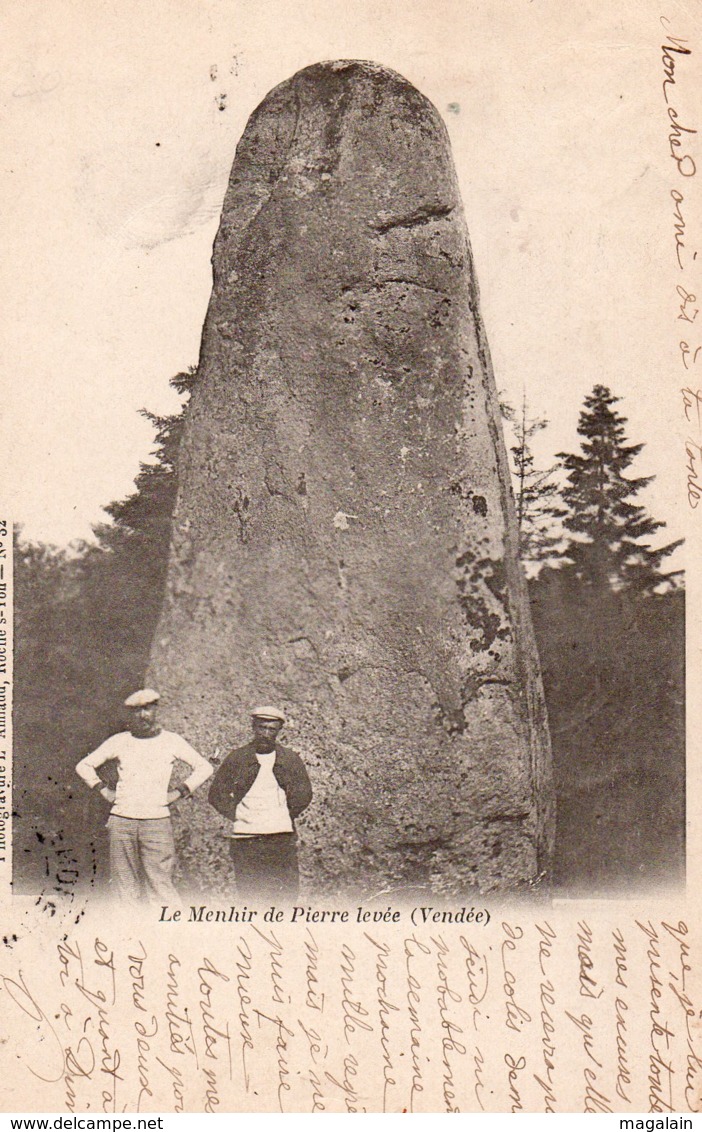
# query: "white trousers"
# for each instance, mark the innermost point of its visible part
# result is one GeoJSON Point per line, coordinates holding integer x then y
{"type": "Point", "coordinates": [142, 859]}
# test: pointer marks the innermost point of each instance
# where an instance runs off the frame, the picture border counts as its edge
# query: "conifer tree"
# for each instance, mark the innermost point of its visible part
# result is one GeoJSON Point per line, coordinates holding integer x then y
{"type": "Point", "coordinates": [146, 514]}
{"type": "Point", "coordinates": [138, 538]}
{"type": "Point", "coordinates": [535, 490]}
{"type": "Point", "coordinates": [610, 532]}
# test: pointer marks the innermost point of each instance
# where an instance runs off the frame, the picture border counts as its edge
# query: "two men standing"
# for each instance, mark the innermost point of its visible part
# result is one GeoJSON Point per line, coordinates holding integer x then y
{"type": "Point", "coordinates": [260, 787]}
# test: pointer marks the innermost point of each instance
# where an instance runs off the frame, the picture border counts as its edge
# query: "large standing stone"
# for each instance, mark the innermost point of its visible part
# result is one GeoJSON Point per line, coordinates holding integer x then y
{"type": "Point", "coordinates": [344, 540]}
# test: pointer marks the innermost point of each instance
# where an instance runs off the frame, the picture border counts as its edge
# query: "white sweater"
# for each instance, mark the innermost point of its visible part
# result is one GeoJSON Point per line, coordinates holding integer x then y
{"type": "Point", "coordinates": [264, 809]}
{"type": "Point", "coordinates": [145, 768]}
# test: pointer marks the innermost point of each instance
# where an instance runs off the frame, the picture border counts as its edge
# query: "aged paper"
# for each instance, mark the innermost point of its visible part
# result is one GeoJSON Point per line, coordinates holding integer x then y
{"type": "Point", "coordinates": [575, 136]}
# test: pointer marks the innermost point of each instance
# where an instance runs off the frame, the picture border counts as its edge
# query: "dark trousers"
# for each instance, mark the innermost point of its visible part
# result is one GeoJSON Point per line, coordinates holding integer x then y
{"type": "Point", "coordinates": [266, 867]}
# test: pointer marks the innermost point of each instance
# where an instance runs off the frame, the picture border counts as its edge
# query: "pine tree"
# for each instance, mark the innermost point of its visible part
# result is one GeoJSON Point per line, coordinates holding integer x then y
{"type": "Point", "coordinates": [535, 490]}
{"type": "Point", "coordinates": [139, 536]}
{"type": "Point", "coordinates": [146, 514]}
{"type": "Point", "coordinates": [610, 546]}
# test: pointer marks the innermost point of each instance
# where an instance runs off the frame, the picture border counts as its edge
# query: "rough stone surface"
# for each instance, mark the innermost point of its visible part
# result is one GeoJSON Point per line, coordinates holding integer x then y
{"type": "Point", "coordinates": [344, 540]}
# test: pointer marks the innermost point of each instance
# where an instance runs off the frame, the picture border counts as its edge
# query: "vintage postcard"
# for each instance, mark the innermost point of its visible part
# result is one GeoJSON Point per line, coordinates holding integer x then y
{"type": "Point", "coordinates": [349, 543]}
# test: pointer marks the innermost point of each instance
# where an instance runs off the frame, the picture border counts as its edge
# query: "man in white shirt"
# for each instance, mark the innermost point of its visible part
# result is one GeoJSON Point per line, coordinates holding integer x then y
{"type": "Point", "coordinates": [261, 788]}
{"type": "Point", "coordinates": [142, 849]}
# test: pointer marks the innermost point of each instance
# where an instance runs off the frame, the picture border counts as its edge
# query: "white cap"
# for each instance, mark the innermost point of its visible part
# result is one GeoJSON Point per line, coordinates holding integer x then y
{"type": "Point", "coordinates": [142, 698]}
{"type": "Point", "coordinates": [268, 712]}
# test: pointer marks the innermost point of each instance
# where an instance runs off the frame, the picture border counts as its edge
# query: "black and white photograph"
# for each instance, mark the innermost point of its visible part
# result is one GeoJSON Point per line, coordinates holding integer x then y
{"type": "Point", "coordinates": [353, 446]}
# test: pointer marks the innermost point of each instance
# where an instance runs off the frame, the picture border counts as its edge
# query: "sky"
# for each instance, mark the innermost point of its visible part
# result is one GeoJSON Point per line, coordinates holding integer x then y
{"type": "Point", "coordinates": [122, 121]}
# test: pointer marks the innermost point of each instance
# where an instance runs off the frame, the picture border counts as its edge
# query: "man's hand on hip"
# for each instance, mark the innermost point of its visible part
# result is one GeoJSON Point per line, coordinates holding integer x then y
{"type": "Point", "coordinates": [108, 794]}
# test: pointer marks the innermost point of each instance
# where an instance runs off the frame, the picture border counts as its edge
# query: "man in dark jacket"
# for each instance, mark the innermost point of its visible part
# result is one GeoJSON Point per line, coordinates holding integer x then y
{"type": "Point", "coordinates": [261, 788]}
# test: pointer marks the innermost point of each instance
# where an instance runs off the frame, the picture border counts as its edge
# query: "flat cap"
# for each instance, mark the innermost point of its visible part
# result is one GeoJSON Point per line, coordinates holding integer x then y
{"type": "Point", "coordinates": [142, 698]}
{"type": "Point", "coordinates": [268, 712]}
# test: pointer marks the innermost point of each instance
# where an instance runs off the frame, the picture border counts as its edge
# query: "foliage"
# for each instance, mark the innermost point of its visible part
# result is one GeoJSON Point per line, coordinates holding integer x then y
{"type": "Point", "coordinates": [613, 671]}
{"type": "Point", "coordinates": [85, 620]}
{"type": "Point", "coordinates": [535, 490]}
{"type": "Point", "coordinates": [138, 538]}
{"type": "Point", "coordinates": [609, 546]}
